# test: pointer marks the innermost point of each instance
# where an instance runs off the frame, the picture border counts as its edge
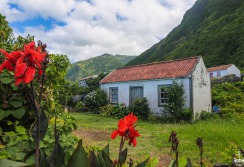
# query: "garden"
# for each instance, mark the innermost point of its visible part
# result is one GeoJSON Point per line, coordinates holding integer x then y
{"type": "Point", "coordinates": [36, 131]}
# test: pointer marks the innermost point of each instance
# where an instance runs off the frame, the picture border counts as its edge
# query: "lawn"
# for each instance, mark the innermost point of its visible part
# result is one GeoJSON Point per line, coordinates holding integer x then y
{"type": "Point", "coordinates": [217, 135]}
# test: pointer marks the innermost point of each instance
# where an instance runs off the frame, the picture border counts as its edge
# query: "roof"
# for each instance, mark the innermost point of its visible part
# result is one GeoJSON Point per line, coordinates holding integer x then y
{"type": "Point", "coordinates": [166, 69]}
{"type": "Point", "coordinates": [218, 68]}
{"type": "Point", "coordinates": [89, 77]}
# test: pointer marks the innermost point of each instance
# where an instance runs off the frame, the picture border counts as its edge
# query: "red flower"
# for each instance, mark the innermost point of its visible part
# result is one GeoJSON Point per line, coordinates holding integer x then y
{"type": "Point", "coordinates": [126, 129]}
{"type": "Point", "coordinates": [27, 64]}
{"type": "Point", "coordinates": [10, 60]}
{"type": "Point", "coordinates": [24, 62]}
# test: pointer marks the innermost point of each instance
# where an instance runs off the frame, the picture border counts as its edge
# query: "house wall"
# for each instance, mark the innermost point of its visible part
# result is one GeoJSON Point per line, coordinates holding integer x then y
{"type": "Point", "coordinates": [234, 70]}
{"type": "Point", "coordinates": [215, 73]}
{"type": "Point", "coordinates": [201, 89]}
{"type": "Point", "coordinates": [150, 91]}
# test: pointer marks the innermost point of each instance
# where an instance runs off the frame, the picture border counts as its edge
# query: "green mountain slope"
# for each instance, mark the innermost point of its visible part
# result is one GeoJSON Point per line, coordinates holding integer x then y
{"type": "Point", "coordinates": [213, 29]}
{"type": "Point", "coordinates": [96, 65]}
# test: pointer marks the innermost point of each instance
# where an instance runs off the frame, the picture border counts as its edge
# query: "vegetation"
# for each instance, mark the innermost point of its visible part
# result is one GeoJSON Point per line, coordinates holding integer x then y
{"type": "Point", "coordinates": [217, 135]}
{"type": "Point", "coordinates": [96, 65]}
{"type": "Point", "coordinates": [229, 97]}
{"type": "Point", "coordinates": [210, 28]}
{"type": "Point", "coordinates": [175, 102]}
{"type": "Point", "coordinates": [141, 108]}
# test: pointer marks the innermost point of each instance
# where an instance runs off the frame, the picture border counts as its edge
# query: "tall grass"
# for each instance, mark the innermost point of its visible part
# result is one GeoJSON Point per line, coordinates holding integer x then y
{"type": "Point", "coordinates": [217, 136]}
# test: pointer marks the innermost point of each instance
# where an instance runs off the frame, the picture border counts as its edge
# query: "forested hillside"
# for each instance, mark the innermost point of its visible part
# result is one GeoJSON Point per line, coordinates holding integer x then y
{"type": "Point", "coordinates": [213, 29]}
{"type": "Point", "coordinates": [96, 65]}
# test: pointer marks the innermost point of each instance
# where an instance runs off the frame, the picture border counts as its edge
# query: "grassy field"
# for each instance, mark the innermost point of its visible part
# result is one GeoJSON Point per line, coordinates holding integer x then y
{"type": "Point", "coordinates": [217, 136]}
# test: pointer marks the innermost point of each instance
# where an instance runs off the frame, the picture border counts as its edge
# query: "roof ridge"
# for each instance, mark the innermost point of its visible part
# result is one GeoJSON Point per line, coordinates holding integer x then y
{"type": "Point", "coordinates": [160, 62]}
{"type": "Point", "coordinates": [221, 65]}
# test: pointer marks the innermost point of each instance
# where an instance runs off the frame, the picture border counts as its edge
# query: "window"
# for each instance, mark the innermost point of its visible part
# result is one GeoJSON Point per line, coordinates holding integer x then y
{"type": "Point", "coordinates": [218, 74]}
{"type": "Point", "coordinates": [113, 95]}
{"type": "Point", "coordinates": [211, 75]}
{"type": "Point", "coordinates": [163, 94]}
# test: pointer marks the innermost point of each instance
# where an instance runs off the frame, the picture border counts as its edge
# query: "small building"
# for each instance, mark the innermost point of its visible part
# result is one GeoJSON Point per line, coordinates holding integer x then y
{"type": "Point", "coordinates": [224, 70]}
{"type": "Point", "coordinates": [82, 82]}
{"type": "Point", "coordinates": [125, 85]}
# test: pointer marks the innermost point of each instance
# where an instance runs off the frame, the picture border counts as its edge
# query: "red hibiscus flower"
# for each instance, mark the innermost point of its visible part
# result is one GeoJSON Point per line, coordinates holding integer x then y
{"type": "Point", "coordinates": [126, 129]}
{"type": "Point", "coordinates": [27, 64]}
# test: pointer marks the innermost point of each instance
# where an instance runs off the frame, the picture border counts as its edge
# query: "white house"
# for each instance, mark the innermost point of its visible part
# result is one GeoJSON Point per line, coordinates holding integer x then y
{"type": "Point", "coordinates": [125, 85]}
{"type": "Point", "coordinates": [224, 70]}
{"type": "Point", "coordinates": [82, 82]}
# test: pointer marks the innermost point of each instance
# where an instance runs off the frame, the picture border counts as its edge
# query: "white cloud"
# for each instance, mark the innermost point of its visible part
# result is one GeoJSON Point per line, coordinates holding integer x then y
{"type": "Point", "coordinates": [92, 29]}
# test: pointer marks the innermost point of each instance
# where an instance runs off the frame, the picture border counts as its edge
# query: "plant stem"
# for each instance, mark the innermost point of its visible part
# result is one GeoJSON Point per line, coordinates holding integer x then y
{"type": "Point", "coordinates": [42, 81]}
{"type": "Point", "coordinates": [36, 108]}
{"type": "Point", "coordinates": [176, 158]}
{"type": "Point", "coordinates": [120, 150]}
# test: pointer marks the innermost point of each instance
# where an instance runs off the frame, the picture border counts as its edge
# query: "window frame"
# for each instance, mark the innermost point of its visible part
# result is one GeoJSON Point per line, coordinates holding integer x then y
{"type": "Point", "coordinates": [110, 95]}
{"type": "Point", "coordinates": [160, 104]}
{"type": "Point", "coordinates": [218, 74]}
{"type": "Point", "coordinates": [211, 75]}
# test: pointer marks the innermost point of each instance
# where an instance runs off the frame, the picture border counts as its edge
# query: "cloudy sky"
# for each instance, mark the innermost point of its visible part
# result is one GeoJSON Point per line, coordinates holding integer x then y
{"type": "Point", "coordinates": [82, 29]}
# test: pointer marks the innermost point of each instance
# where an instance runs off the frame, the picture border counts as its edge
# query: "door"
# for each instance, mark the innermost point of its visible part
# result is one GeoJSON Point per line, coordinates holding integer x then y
{"type": "Point", "coordinates": [135, 93]}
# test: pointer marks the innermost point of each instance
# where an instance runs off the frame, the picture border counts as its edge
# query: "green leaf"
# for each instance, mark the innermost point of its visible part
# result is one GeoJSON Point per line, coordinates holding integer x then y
{"type": "Point", "coordinates": [14, 88]}
{"type": "Point", "coordinates": [172, 163]}
{"type": "Point", "coordinates": [93, 160]}
{"type": "Point", "coordinates": [154, 162]}
{"type": "Point", "coordinates": [4, 114]}
{"type": "Point", "coordinates": [143, 164]}
{"type": "Point", "coordinates": [101, 160]}
{"type": "Point", "coordinates": [43, 159]}
{"type": "Point", "coordinates": [43, 127]}
{"type": "Point", "coordinates": [123, 156]}
{"type": "Point", "coordinates": [19, 113]}
{"type": "Point", "coordinates": [106, 149]}
{"type": "Point", "coordinates": [107, 160]}
{"type": "Point", "coordinates": [15, 103]}
{"type": "Point", "coordinates": [4, 154]}
{"type": "Point", "coordinates": [182, 162]}
{"type": "Point", "coordinates": [20, 156]}
{"type": "Point", "coordinates": [8, 163]}
{"type": "Point", "coordinates": [20, 130]}
{"type": "Point", "coordinates": [79, 157]}
{"type": "Point", "coordinates": [189, 164]}
{"type": "Point", "coordinates": [31, 160]}
{"type": "Point", "coordinates": [7, 80]}
{"type": "Point", "coordinates": [12, 150]}
{"type": "Point", "coordinates": [57, 156]}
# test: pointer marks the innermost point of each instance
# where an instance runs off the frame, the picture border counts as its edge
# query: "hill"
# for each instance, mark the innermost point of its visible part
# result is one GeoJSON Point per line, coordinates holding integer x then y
{"type": "Point", "coordinates": [213, 29]}
{"type": "Point", "coordinates": [96, 65]}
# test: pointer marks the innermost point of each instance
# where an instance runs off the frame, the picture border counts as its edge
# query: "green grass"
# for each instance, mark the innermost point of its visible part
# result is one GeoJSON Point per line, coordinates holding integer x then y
{"type": "Point", "coordinates": [217, 136]}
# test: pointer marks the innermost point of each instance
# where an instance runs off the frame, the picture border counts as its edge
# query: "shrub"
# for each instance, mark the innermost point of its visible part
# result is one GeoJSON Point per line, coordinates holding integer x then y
{"type": "Point", "coordinates": [187, 114]}
{"type": "Point", "coordinates": [80, 107]}
{"type": "Point", "coordinates": [175, 104]}
{"type": "Point", "coordinates": [117, 111]}
{"type": "Point", "coordinates": [94, 100]}
{"type": "Point", "coordinates": [141, 108]}
{"type": "Point", "coordinates": [208, 115]}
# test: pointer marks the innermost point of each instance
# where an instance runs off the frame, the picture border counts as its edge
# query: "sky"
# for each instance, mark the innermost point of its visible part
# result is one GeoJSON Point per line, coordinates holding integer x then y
{"type": "Point", "coordinates": [82, 29]}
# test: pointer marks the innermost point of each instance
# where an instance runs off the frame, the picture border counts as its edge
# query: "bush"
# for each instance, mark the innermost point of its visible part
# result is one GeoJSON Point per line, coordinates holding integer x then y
{"type": "Point", "coordinates": [80, 107]}
{"type": "Point", "coordinates": [141, 108]}
{"type": "Point", "coordinates": [94, 100]}
{"type": "Point", "coordinates": [208, 115]}
{"type": "Point", "coordinates": [117, 111]}
{"type": "Point", "coordinates": [187, 114]}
